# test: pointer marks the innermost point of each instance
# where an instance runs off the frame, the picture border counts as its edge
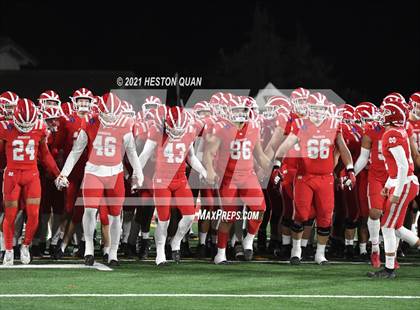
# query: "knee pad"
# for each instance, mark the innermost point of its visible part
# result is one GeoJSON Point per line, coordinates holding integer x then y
{"type": "Point", "coordinates": [287, 222]}
{"type": "Point", "coordinates": [324, 231]}
{"type": "Point", "coordinates": [351, 225]}
{"type": "Point", "coordinates": [309, 222]}
{"type": "Point", "coordinates": [296, 227]}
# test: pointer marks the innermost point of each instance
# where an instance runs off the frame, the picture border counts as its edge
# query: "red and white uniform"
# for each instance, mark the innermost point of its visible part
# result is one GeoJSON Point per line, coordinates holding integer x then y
{"type": "Point", "coordinates": [314, 182]}
{"type": "Point", "coordinates": [68, 130]}
{"type": "Point", "coordinates": [170, 180]}
{"type": "Point", "coordinates": [103, 175]}
{"type": "Point", "coordinates": [235, 163]}
{"type": "Point", "coordinates": [377, 174]}
{"type": "Point", "coordinates": [401, 181]}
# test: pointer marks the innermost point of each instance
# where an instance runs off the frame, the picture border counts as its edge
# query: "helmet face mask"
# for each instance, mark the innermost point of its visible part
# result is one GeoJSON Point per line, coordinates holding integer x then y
{"type": "Point", "coordinates": [270, 111]}
{"type": "Point", "coordinates": [203, 113]}
{"type": "Point", "coordinates": [299, 106]}
{"type": "Point", "coordinates": [239, 114]}
{"type": "Point", "coordinates": [82, 104]}
{"type": "Point", "coordinates": [9, 109]}
{"type": "Point", "coordinates": [24, 127]}
{"type": "Point", "coordinates": [108, 119]}
{"type": "Point", "coordinates": [175, 133]}
{"type": "Point", "coordinates": [317, 113]}
{"type": "Point", "coordinates": [416, 109]}
{"type": "Point", "coordinates": [25, 116]}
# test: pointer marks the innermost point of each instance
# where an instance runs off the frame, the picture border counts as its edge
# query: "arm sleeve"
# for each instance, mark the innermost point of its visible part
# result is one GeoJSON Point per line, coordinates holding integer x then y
{"type": "Point", "coordinates": [130, 148]}
{"type": "Point", "coordinates": [195, 163]}
{"type": "Point", "coordinates": [402, 165]}
{"type": "Point", "coordinates": [77, 150]}
{"type": "Point", "coordinates": [361, 161]}
{"type": "Point", "coordinates": [148, 149]}
{"type": "Point", "coordinates": [46, 159]}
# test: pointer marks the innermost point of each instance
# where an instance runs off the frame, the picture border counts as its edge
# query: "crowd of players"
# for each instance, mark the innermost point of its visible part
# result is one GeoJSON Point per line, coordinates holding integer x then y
{"type": "Point", "coordinates": [302, 165]}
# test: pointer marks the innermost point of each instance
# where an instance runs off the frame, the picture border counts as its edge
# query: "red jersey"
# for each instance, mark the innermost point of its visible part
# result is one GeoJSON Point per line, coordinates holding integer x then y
{"type": "Point", "coordinates": [317, 145]}
{"type": "Point", "coordinates": [377, 161]}
{"type": "Point", "coordinates": [235, 154]}
{"type": "Point", "coordinates": [106, 144]}
{"type": "Point", "coordinates": [352, 135]}
{"type": "Point", "coordinates": [392, 138]}
{"type": "Point", "coordinates": [171, 154]}
{"type": "Point", "coordinates": [415, 124]}
{"type": "Point", "coordinates": [291, 158]}
{"type": "Point", "coordinates": [22, 149]}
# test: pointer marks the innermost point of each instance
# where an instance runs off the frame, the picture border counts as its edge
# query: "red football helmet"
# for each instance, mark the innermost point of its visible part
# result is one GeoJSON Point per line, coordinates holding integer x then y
{"type": "Point", "coordinates": [50, 116]}
{"type": "Point", "coordinates": [317, 106]}
{"type": "Point", "coordinates": [158, 116]}
{"type": "Point", "coordinates": [176, 123]}
{"type": "Point", "coordinates": [8, 103]}
{"type": "Point", "coordinates": [298, 98]}
{"type": "Point", "coordinates": [109, 109]}
{"type": "Point", "coordinates": [414, 103]}
{"type": "Point", "coordinates": [49, 99]}
{"type": "Point", "coordinates": [347, 112]}
{"type": "Point", "coordinates": [25, 115]}
{"type": "Point", "coordinates": [151, 102]}
{"type": "Point", "coordinates": [275, 105]}
{"type": "Point", "coordinates": [393, 114]}
{"type": "Point", "coordinates": [238, 111]}
{"type": "Point", "coordinates": [202, 109]}
{"type": "Point", "coordinates": [82, 100]}
{"type": "Point", "coordinates": [398, 99]}
{"type": "Point", "coordinates": [366, 112]}
{"type": "Point", "coordinates": [127, 109]}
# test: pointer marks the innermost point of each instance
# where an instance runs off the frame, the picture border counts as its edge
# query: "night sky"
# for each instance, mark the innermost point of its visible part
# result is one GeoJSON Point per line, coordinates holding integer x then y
{"type": "Point", "coordinates": [373, 48]}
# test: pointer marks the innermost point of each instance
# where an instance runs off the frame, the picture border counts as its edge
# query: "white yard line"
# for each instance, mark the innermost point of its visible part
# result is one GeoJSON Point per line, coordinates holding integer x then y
{"type": "Point", "coordinates": [211, 296]}
{"type": "Point", "coordinates": [96, 266]}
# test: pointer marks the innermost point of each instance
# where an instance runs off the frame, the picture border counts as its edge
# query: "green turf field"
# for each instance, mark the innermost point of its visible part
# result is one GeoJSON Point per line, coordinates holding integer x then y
{"type": "Point", "coordinates": [237, 279]}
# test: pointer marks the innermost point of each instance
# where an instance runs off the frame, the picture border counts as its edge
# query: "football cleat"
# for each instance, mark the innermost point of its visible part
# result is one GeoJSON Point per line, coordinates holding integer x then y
{"type": "Point", "coordinates": [160, 259]}
{"type": "Point", "coordinates": [105, 258]}
{"type": "Point", "coordinates": [364, 257]}
{"type": "Point", "coordinates": [382, 274]}
{"type": "Point", "coordinates": [220, 259]}
{"type": "Point", "coordinates": [248, 255]}
{"type": "Point", "coordinates": [262, 241]}
{"type": "Point", "coordinates": [185, 249]}
{"type": "Point", "coordinates": [113, 263]}
{"type": "Point", "coordinates": [176, 256]}
{"type": "Point", "coordinates": [375, 260]}
{"type": "Point", "coordinates": [201, 251]}
{"type": "Point", "coordinates": [321, 260]}
{"type": "Point", "coordinates": [89, 260]}
{"type": "Point", "coordinates": [58, 254]}
{"type": "Point", "coordinates": [239, 251]}
{"type": "Point", "coordinates": [8, 258]}
{"type": "Point", "coordinates": [36, 251]}
{"type": "Point", "coordinates": [349, 252]}
{"type": "Point", "coordinates": [144, 249]}
{"type": "Point", "coordinates": [25, 256]}
{"type": "Point", "coordinates": [295, 260]}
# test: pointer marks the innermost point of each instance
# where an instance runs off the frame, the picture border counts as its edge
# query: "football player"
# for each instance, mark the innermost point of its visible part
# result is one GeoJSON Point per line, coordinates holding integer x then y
{"type": "Point", "coordinates": [172, 142]}
{"type": "Point", "coordinates": [318, 138]}
{"type": "Point", "coordinates": [106, 136]}
{"type": "Point", "coordinates": [23, 140]}
{"type": "Point", "coordinates": [401, 186]}
{"type": "Point", "coordinates": [237, 144]}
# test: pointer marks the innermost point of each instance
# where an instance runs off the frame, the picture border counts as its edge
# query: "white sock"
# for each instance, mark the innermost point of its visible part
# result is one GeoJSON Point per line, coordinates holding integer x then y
{"type": "Point", "coordinates": [89, 223]}
{"type": "Point", "coordinates": [413, 227]}
{"type": "Point", "coordinates": [105, 250]}
{"type": "Point", "coordinates": [349, 242]}
{"type": "Point", "coordinates": [296, 248]}
{"type": "Point", "coordinates": [202, 237]}
{"type": "Point", "coordinates": [145, 235]}
{"type": "Point", "coordinates": [160, 238]}
{"type": "Point", "coordinates": [57, 219]}
{"type": "Point", "coordinates": [286, 239]}
{"type": "Point", "coordinates": [389, 246]}
{"type": "Point", "coordinates": [114, 232]}
{"type": "Point", "coordinates": [184, 226]}
{"type": "Point", "coordinates": [374, 226]}
{"type": "Point", "coordinates": [406, 235]}
{"type": "Point", "coordinates": [233, 240]}
{"type": "Point", "coordinates": [63, 246]}
{"type": "Point", "coordinates": [320, 250]}
{"type": "Point", "coordinates": [397, 241]}
{"type": "Point", "coordinates": [221, 252]}
{"type": "Point", "coordinates": [2, 248]}
{"type": "Point", "coordinates": [248, 241]}
{"type": "Point", "coordinates": [304, 243]}
{"type": "Point", "coordinates": [362, 247]}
